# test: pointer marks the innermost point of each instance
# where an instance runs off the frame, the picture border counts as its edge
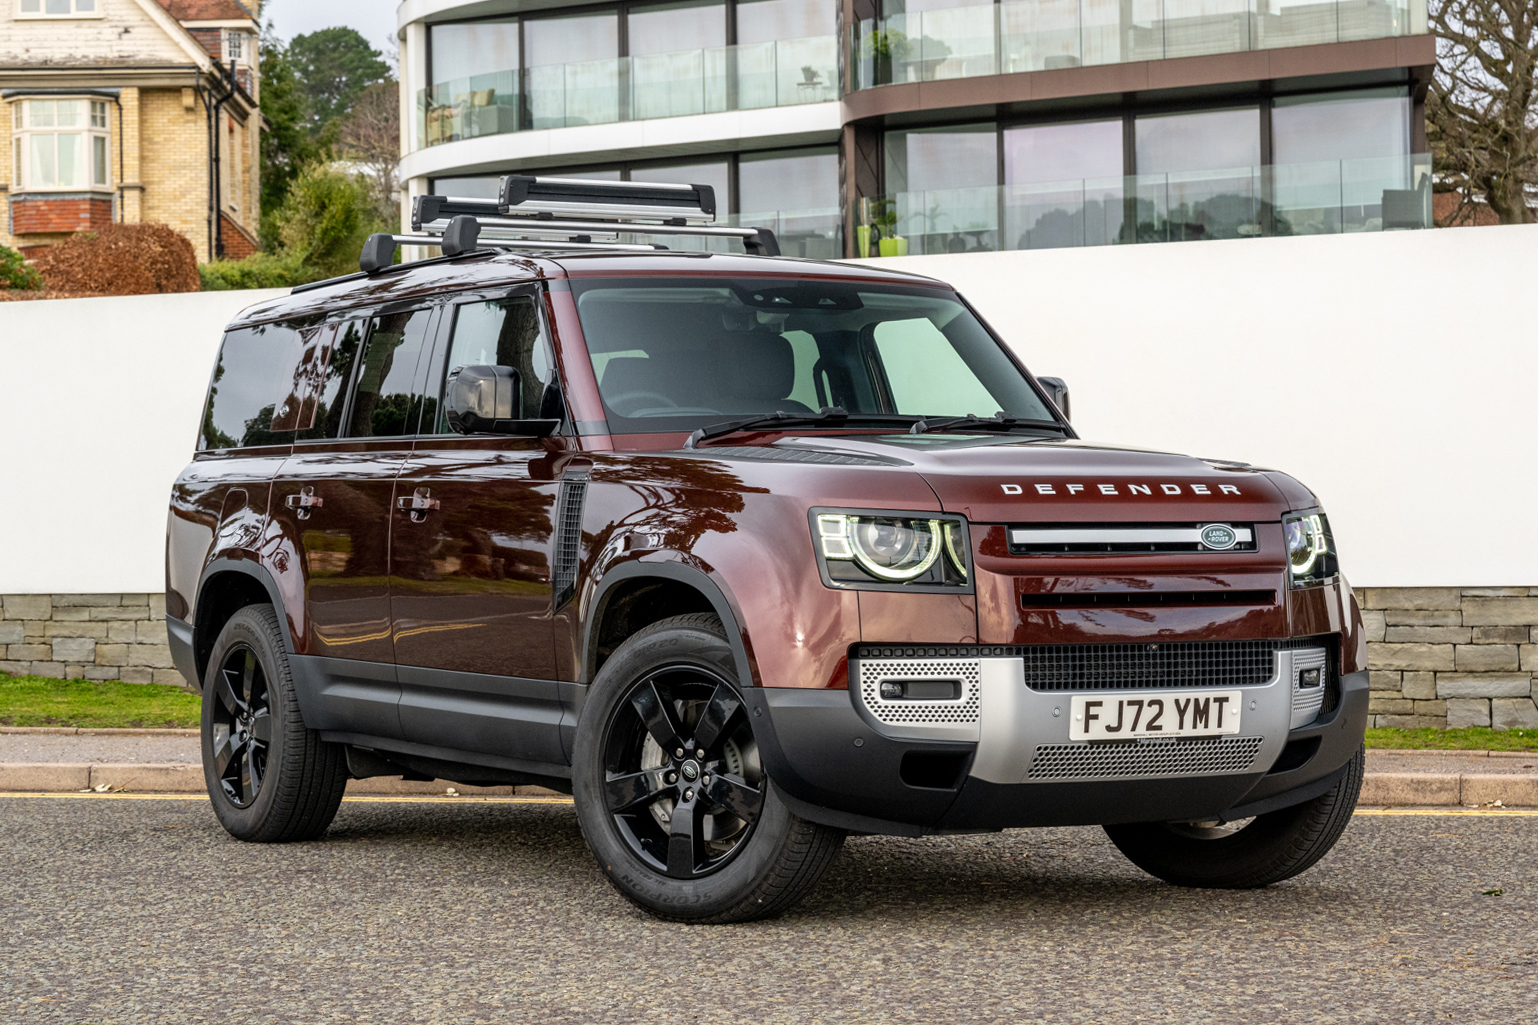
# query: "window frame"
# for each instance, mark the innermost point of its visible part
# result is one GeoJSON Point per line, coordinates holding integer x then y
{"type": "Point", "coordinates": [23, 133]}
{"type": "Point", "coordinates": [41, 13]}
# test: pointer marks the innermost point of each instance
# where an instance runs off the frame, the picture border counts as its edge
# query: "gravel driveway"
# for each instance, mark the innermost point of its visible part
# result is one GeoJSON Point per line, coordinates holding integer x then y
{"type": "Point", "coordinates": [116, 911]}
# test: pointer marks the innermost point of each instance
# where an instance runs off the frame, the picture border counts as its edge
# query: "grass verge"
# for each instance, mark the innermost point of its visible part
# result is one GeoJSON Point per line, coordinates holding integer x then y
{"type": "Point", "coordinates": [1467, 738]}
{"type": "Point", "coordinates": [40, 701]}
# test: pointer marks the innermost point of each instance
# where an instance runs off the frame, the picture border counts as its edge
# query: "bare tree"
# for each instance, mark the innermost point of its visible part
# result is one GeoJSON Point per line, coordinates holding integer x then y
{"type": "Point", "coordinates": [370, 139]}
{"type": "Point", "coordinates": [1482, 113]}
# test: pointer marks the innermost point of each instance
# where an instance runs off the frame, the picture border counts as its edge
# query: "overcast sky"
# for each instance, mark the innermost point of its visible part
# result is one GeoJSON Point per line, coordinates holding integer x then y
{"type": "Point", "coordinates": [375, 19]}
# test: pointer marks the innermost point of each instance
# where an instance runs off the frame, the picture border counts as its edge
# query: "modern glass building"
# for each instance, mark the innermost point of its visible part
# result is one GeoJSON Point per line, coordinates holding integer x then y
{"type": "Point", "coordinates": [888, 127]}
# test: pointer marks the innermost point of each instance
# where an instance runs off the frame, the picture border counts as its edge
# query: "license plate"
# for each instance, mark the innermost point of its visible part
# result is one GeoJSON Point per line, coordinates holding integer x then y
{"type": "Point", "coordinates": [1194, 714]}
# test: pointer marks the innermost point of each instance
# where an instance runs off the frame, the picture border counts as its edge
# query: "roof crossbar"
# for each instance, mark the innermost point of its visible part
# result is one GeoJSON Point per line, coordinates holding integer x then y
{"type": "Point", "coordinates": [557, 214]}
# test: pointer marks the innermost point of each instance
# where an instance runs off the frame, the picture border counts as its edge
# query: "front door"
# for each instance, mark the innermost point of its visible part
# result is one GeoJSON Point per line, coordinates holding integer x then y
{"type": "Point", "coordinates": [470, 563]}
{"type": "Point", "coordinates": [331, 501]}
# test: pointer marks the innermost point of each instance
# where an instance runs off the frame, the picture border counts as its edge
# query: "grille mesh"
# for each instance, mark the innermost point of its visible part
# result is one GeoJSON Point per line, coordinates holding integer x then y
{"type": "Point", "coordinates": [1136, 666]}
{"type": "Point", "coordinates": [1306, 702]}
{"type": "Point", "coordinates": [1145, 758]}
{"type": "Point", "coordinates": [568, 538]}
{"type": "Point", "coordinates": [963, 710]}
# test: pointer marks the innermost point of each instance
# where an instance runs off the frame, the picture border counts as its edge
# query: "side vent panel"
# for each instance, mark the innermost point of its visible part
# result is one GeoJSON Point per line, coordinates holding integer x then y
{"type": "Point", "coordinates": [566, 547]}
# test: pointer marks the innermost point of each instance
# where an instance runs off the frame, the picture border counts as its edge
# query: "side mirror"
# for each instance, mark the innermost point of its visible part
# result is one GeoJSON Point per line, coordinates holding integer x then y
{"type": "Point", "coordinates": [488, 400]}
{"type": "Point", "coordinates": [1057, 391]}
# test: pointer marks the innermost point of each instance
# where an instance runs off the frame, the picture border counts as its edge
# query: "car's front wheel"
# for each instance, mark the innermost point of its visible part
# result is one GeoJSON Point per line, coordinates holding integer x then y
{"type": "Point", "coordinates": [670, 792]}
{"type": "Point", "coordinates": [1251, 853]}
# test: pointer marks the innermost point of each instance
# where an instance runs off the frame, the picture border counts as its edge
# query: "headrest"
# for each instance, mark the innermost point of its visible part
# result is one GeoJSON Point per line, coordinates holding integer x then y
{"type": "Point", "coordinates": [757, 366]}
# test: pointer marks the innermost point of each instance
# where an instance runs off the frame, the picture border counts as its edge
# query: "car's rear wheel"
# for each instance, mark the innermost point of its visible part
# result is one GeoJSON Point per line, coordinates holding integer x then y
{"type": "Point", "coordinates": [670, 792]}
{"type": "Point", "coordinates": [1251, 853]}
{"type": "Point", "coordinates": [269, 777]}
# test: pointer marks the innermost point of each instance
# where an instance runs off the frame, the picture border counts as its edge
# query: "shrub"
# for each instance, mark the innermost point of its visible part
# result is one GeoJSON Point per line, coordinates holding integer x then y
{"type": "Point", "coordinates": [15, 273]}
{"type": "Point", "coordinates": [325, 220]}
{"type": "Point", "coordinates": [121, 259]}
{"type": "Point", "coordinates": [260, 270]}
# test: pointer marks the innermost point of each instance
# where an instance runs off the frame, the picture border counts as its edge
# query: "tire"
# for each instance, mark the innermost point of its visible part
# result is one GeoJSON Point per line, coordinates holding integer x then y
{"type": "Point", "coordinates": [1269, 848]}
{"type": "Point", "coordinates": [688, 839]}
{"type": "Point", "coordinates": [269, 778]}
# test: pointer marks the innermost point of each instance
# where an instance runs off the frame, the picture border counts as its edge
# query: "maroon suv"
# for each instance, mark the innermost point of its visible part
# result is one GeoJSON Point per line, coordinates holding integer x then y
{"type": "Point", "coordinates": [745, 554]}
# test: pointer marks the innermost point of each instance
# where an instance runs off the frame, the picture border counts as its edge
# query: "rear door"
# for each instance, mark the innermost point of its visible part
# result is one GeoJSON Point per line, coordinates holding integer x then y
{"type": "Point", "coordinates": [332, 500]}
{"type": "Point", "coordinates": [470, 561]}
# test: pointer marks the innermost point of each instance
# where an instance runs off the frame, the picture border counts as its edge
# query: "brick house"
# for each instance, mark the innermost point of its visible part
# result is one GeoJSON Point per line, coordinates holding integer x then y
{"type": "Point", "coordinates": [133, 111]}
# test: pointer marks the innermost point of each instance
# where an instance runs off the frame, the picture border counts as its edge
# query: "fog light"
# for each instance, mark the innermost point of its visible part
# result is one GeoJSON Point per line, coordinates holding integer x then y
{"type": "Point", "coordinates": [891, 691]}
{"type": "Point", "coordinates": [1309, 678]}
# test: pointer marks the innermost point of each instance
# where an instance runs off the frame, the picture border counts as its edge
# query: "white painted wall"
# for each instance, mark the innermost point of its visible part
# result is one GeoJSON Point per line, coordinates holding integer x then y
{"type": "Point", "coordinates": [1396, 374]}
{"type": "Point", "coordinates": [99, 408]}
{"type": "Point", "coordinates": [1392, 373]}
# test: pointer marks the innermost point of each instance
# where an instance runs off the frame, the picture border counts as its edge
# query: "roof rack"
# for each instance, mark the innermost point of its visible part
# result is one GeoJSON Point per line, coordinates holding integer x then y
{"type": "Point", "coordinates": [561, 214]}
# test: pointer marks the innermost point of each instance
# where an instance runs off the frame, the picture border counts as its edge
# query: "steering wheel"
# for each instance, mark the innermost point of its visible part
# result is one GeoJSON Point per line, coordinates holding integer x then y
{"type": "Point", "coordinates": [630, 402]}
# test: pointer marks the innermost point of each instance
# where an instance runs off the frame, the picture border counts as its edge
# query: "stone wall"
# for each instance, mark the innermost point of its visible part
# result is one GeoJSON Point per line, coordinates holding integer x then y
{"type": "Point", "coordinates": [1439, 656]}
{"type": "Point", "coordinates": [1450, 656]}
{"type": "Point", "coordinates": [94, 636]}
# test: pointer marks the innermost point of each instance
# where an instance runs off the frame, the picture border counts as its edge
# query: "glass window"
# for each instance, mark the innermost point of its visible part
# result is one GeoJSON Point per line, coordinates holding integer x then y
{"type": "Point", "coordinates": [924, 371]}
{"type": "Point", "coordinates": [795, 193]}
{"type": "Point", "coordinates": [571, 38]}
{"type": "Point", "coordinates": [677, 355]}
{"type": "Point", "coordinates": [58, 8]}
{"type": "Point", "coordinates": [251, 377]}
{"type": "Point", "coordinates": [1341, 126]}
{"type": "Point", "coordinates": [468, 50]}
{"type": "Point", "coordinates": [669, 28]}
{"type": "Point", "coordinates": [1061, 153]}
{"type": "Point", "coordinates": [468, 188]}
{"type": "Point", "coordinates": [942, 158]}
{"type": "Point", "coordinates": [505, 333]}
{"type": "Point", "coordinates": [334, 358]}
{"type": "Point", "coordinates": [716, 173]}
{"type": "Point", "coordinates": [62, 144]}
{"type": "Point", "coordinates": [385, 405]}
{"type": "Point", "coordinates": [768, 21]}
{"type": "Point", "coordinates": [1209, 140]}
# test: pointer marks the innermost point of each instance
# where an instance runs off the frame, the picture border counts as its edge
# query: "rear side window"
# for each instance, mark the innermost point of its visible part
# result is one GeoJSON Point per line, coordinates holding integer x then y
{"type": "Point", "coordinates": [385, 404]}
{"type": "Point", "coordinates": [504, 333]}
{"type": "Point", "coordinates": [252, 382]}
{"type": "Point", "coordinates": [335, 351]}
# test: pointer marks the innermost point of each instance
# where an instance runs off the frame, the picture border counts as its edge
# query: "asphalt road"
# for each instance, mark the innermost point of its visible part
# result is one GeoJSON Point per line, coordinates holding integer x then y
{"type": "Point", "coordinates": [116, 911]}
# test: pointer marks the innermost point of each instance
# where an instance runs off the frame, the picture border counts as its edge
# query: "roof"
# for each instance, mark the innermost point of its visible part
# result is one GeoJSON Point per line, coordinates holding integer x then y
{"type": "Point", "coordinates": [206, 10]}
{"type": "Point", "coordinates": [434, 277]}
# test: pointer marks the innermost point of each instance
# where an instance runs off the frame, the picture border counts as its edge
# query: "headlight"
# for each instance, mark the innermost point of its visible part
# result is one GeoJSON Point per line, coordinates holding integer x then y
{"type": "Point", "coordinates": [1310, 548]}
{"type": "Point", "coordinates": [890, 551]}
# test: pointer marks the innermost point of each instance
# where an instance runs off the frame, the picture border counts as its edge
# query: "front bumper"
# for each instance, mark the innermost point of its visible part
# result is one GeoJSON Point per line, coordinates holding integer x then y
{"type": "Point", "coordinates": [837, 763]}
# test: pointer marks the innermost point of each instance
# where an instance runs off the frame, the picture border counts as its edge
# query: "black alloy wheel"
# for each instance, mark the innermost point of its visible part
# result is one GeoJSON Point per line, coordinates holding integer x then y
{"type": "Point", "coordinates": [682, 780]}
{"type": "Point", "coordinates": [242, 726]}
{"type": "Point", "coordinates": [270, 778]}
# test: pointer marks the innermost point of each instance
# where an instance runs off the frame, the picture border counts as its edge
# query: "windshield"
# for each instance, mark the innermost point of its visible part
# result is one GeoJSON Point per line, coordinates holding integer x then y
{"type": "Point", "coordinates": [678, 354]}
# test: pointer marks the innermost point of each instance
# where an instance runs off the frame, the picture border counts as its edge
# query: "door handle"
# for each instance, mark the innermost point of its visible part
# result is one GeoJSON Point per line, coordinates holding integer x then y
{"type": "Point", "coordinates": [418, 504]}
{"type": "Point", "coordinates": [303, 502]}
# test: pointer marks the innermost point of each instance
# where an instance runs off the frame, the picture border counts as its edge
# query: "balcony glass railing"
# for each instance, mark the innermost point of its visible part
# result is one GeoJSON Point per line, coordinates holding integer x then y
{"type": "Point", "coordinates": [1040, 35]}
{"type": "Point", "coordinates": [814, 234]}
{"type": "Point", "coordinates": [774, 74]}
{"type": "Point", "coordinates": [1374, 194]}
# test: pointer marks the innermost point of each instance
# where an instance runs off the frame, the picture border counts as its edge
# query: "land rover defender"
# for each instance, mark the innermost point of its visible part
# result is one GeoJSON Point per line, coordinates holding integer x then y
{"type": "Point", "coordinates": [745, 553]}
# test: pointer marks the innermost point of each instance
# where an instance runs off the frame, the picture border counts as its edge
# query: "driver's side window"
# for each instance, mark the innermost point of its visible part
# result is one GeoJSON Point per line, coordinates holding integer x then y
{"type": "Point", "coordinates": [504, 333]}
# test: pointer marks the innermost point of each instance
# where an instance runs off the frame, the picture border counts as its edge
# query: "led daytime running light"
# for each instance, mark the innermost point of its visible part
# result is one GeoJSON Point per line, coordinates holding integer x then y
{"type": "Point", "coordinates": [952, 540]}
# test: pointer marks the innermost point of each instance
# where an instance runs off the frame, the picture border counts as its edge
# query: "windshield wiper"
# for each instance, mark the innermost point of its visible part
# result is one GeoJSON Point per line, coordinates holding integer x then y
{"type": "Point", "coordinates": [828, 416]}
{"type": "Point", "coordinates": [998, 422]}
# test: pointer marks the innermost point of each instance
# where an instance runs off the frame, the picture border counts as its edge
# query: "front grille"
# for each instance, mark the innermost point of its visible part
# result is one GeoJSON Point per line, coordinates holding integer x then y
{"type": "Point", "coordinates": [1143, 599]}
{"type": "Point", "coordinates": [1145, 758]}
{"type": "Point", "coordinates": [1124, 538]}
{"type": "Point", "coordinates": [1140, 666]}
